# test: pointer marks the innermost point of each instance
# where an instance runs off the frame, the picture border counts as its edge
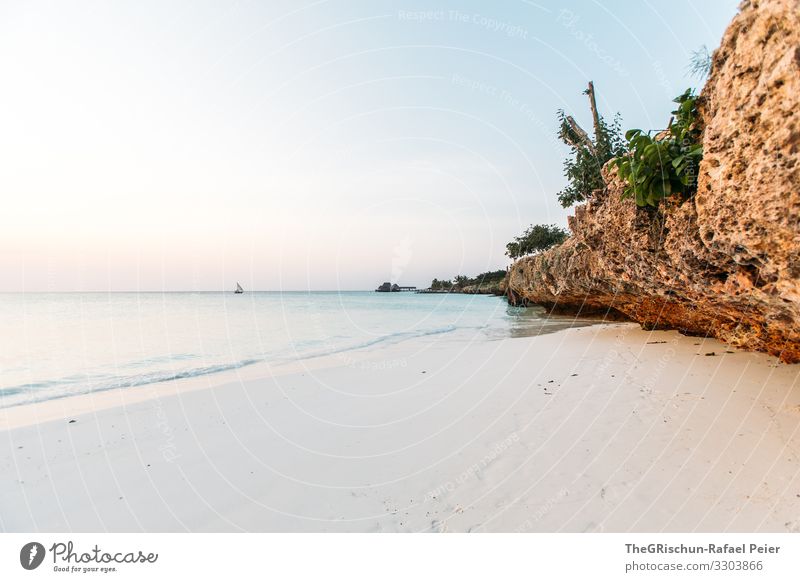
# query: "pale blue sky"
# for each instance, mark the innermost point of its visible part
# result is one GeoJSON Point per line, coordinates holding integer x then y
{"type": "Point", "coordinates": [295, 144]}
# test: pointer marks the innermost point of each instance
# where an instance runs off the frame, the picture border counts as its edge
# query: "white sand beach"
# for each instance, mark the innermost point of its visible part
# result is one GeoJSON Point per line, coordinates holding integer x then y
{"type": "Point", "coordinates": [603, 428]}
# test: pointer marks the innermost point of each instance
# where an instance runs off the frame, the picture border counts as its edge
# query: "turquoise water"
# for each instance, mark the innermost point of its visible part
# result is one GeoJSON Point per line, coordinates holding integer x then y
{"type": "Point", "coordinates": [54, 345]}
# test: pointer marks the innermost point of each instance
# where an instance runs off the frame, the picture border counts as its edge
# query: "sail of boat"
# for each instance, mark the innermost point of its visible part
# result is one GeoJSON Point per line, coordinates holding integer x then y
{"type": "Point", "coordinates": [239, 288]}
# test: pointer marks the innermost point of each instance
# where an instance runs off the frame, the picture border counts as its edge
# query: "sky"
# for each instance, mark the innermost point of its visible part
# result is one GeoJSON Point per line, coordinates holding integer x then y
{"type": "Point", "coordinates": [307, 145]}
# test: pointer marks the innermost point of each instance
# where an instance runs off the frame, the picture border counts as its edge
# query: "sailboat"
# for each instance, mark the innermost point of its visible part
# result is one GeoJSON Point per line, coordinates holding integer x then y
{"type": "Point", "coordinates": [238, 288]}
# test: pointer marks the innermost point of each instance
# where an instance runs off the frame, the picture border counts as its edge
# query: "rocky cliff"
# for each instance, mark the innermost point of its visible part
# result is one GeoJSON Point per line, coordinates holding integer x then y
{"type": "Point", "coordinates": [489, 288]}
{"type": "Point", "coordinates": [725, 263]}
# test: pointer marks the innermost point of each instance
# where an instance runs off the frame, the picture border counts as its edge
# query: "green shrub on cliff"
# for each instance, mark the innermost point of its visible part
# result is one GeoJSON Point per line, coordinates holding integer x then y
{"type": "Point", "coordinates": [537, 238]}
{"type": "Point", "coordinates": [664, 165]}
{"type": "Point", "coordinates": [586, 159]}
{"type": "Point", "coordinates": [587, 154]}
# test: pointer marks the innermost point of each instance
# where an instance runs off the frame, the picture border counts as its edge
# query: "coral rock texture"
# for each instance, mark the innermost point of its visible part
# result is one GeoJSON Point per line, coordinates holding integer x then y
{"type": "Point", "coordinates": [725, 263]}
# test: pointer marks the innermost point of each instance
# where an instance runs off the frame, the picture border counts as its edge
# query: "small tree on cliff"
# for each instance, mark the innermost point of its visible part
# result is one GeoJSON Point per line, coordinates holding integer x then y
{"type": "Point", "coordinates": [587, 155]}
{"type": "Point", "coordinates": [460, 281]}
{"type": "Point", "coordinates": [537, 238]}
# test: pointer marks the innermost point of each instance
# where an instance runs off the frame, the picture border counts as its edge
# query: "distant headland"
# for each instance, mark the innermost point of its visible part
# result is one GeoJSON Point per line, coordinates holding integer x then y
{"type": "Point", "coordinates": [489, 283]}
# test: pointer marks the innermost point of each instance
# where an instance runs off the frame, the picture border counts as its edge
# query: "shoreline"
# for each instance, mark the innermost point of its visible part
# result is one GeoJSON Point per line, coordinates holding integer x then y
{"type": "Point", "coordinates": [60, 407]}
{"type": "Point", "coordinates": [599, 428]}
{"type": "Point", "coordinates": [104, 397]}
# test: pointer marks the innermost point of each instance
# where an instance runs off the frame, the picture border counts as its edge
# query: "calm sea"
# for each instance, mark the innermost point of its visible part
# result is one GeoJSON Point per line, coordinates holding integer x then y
{"type": "Point", "coordinates": [54, 345]}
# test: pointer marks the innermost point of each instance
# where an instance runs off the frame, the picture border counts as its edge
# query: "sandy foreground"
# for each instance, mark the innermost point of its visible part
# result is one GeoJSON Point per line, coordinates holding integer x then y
{"type": "Point", "coordinates": [603, 428]}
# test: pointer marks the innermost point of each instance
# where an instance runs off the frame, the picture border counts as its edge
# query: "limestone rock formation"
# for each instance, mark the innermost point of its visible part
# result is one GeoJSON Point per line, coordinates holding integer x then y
{"type": "Point", "coordinates": [725, 263]}
{"type": "Point", "coordinates": [489, 288]}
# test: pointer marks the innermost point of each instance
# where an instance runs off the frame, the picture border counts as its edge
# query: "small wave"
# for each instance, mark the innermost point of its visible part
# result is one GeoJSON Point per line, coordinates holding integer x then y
{"type": "Point", "coordinates": [156, 377]}
{"type": "Point", "coordinates": [63, 387]}
{"type": "Point", "coordinates": [160, 360]}
{"type": "Point", "coordinates": [76, 384]}
{"type": "Point", "coordinates": [390, 339]}
{"type": "Point", "coordinates": [11, 391]}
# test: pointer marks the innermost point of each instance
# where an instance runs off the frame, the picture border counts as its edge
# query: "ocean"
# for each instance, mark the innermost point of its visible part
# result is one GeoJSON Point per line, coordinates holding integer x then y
{"type": "Point", "coordinates": [59, 344]}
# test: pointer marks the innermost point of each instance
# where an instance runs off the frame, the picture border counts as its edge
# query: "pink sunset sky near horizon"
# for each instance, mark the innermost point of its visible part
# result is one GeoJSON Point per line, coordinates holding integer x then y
{"type": "Point", "coordinates": [316, 145]}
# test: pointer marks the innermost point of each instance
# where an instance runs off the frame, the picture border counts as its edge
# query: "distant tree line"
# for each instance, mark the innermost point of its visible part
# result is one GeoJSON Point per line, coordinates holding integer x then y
{"type": "Point", "coordinates": [460, 281]}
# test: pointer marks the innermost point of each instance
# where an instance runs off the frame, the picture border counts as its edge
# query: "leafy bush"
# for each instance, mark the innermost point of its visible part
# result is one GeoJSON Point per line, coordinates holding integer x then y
{"type": "Point", "coordinates": [586, 159]}
{"type": "Point", "coordinates": [438, 285]}
{"type": "Point", "coordinates": [587, 156]}
{"type": "Point", "coordinates": [536, 238]}
{"type": "Point", "coordinates": [664, 165]}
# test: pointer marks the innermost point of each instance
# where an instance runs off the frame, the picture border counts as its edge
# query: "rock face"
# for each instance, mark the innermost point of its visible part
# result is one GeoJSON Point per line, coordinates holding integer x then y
{"type": "Point", "coordinates": [725, 263]}
{"type": "Point", "coordinates": [491, 288]}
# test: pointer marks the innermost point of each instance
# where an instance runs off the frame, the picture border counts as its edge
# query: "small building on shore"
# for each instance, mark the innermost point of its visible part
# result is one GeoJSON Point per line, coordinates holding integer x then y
{"type": "Point", "coordinates": [388, 287]}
